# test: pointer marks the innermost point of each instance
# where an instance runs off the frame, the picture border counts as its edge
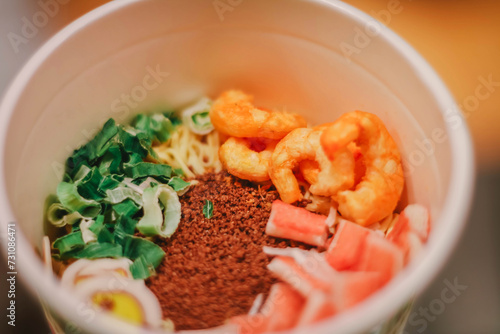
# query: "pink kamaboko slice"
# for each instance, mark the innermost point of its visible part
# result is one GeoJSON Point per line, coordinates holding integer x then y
{"type": "Point", "coordinates": [291, 222]}
{"type": "Point", "coordinates": [346, 247]}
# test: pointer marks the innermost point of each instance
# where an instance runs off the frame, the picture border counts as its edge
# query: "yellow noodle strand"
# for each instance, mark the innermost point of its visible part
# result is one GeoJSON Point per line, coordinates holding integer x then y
{"type": "Point", "coordinates": [194, 154]}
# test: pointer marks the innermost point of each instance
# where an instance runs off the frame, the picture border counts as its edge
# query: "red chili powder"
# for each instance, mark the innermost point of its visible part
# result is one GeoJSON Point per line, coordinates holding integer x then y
{"type": "Point", "coordinates": [214, 268]}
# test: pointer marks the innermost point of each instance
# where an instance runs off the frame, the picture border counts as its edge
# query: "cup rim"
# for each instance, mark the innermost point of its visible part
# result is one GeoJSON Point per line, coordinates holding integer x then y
{"type": "Point", "coordinates": [455, 209]}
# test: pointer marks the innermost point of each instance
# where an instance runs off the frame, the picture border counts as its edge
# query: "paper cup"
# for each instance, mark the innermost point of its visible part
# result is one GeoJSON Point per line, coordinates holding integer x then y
{"type": "Point", "coordinates": [319, 58]}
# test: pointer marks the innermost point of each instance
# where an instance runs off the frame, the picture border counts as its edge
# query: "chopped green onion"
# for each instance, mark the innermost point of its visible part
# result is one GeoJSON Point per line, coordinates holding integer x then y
{"type": "Point", "coordinates": [101, 230]}
{"type": "Point", "coordinates": [208, 209]}
{"type": "Point", "coordinates": [178, 172]}
{"type": "Point", "coordinates": [145, 169]}
{"type": "Point", "coordinates": [105, 184]}
{"type": "Point", "coordinates": [73, 201]}
{"type": "Point", "coordinates": [158, 127]}
{"type": "Point", "coordinates": [125, 224]}
{"type": "Point", "coordinates": [141, 268]}
{"type": "Point", "coordinates": [134, 247]}
{"type": "Point", "coordinates": [153, 222]}
{"type": "Point", "coordinates": [87, 234]}
{"type": "Point", "coordinates": [88, 186]}
{"type": "Point", "coordinates": [173, 117]}
{"type": "Point", "coordinates": [110, 182]}
{"type": "Point", "coordinates": [99, 250]}
{"type": "Point", "coordinates": [197, 117]}
{"type": "Point", "coordinates": [126, 208]}
{"type": "Point", "coordinates": [105, 235]}
{"type": "Point", "coordinates": [111, 161]}
{"type": "Point", "coordinates": [178, 184]}
{"type": "Point", "coordinates": [81, 173]}
{"type": "Point", "coordinates": [102, 141]}
{"type": "Point", "coordinates": [201, 118]}
{"type": "Point", "coordinates": [59, 216]}
{"type": "Point", "coordinates": [134, 144]}
{"type": "Point", "coordinates": [122, 193]}
{"type": "Point", "coordinates": [133, 159]}
{"type": "Point", "coordinates": [93, 149]}
{"type": "Point", "coordinates": [69, 242]}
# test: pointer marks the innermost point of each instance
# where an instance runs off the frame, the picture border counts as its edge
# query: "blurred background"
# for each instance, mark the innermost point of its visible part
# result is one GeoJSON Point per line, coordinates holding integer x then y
{"type": "Point", "coordinates": [461, 40]}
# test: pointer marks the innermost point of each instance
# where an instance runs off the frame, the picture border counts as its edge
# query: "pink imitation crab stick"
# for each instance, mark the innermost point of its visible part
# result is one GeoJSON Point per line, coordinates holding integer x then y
{"type": "Point", "coordinates": [380, 256]}
{"type": "Point", "coordinates": [348, 289]}
{"type": "Point", "coordinates": [326, 290]}
{"type": "Point", "coordinates": [282, 307]}
{"type": "Point", "coordinates": [291, 222]}
{"type": "Point", "coordinates": [347, 245]}
{"type": "Point", "coordinates": [357, 248]}
{"type": "Point", "coordinates": [286, 269]}
{"type": "Point", "coordinates": [318, 306]}
{"type": "Point", "coordinates": [281, 311]}
{"type": "Point", "coordinates": [308, 273]}
{"type": "Point", "coordinates": [351, 288]}
{"type": "Point", "coordinates": [411, 230]}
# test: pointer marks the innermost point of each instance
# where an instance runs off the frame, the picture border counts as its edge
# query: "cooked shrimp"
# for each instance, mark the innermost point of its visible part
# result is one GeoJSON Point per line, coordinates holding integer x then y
{"type": "Point", "coordinates": [310, 168]}
{"type": "Point", "coordinates": [247, 158]}
{"type": "Point", "coordinates": [377, 194]}
{"type": "Point", "coordinates": [234, 114]}
{"type": "Point", "coordinates": [302, 145]}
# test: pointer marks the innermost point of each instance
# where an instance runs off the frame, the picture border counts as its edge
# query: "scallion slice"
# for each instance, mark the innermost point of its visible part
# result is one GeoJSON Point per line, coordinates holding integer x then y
{"type": "Point", "coordinates": [69, 243]}
{"type": "Point", "coordinates": [73, 201]}
{"type": "Point", "coordinates": [153, 222]}
{"type": "Point", "coordinates": [179, 185]}
{"type": "Point", "coordinates": [197, 117]}
{"type": "Point", "coordinates": [59, 216]}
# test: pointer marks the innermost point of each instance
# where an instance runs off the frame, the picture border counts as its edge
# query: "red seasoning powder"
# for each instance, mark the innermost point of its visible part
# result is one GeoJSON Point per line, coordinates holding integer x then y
{"type": "Point", "coordinates": [214, 268]}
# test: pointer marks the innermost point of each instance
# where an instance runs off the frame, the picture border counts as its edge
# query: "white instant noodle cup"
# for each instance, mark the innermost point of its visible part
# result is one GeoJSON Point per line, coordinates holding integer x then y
{"type": "Point", "coordinates": [318, 58]}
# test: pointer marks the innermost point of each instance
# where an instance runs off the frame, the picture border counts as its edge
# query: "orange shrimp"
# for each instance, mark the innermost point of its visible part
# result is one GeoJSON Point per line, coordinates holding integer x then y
{"type": "Point", "coordinates": [304, 145]}
{"type": "Point", "coordinates": [377, 194]}
{"type": "Point", "coordinates": [234, 114]}
{"type": "Point", "coordinates": [247, 158]}
{"type": "Point", "coordinates": [310, 168]}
